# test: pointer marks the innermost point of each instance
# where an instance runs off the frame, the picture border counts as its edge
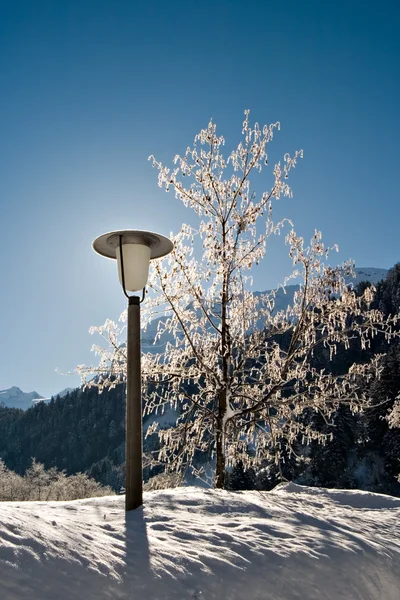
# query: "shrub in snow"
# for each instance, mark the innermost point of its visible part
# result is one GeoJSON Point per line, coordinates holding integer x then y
{"type": "Point", "coordinates": [163, 481]}
{"type": "Point", "coordinates": [39, 484]}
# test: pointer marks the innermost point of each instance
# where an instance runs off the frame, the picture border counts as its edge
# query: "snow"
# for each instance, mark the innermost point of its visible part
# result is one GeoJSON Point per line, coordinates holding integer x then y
{"type": "Point", "coordinates": [292, 543]}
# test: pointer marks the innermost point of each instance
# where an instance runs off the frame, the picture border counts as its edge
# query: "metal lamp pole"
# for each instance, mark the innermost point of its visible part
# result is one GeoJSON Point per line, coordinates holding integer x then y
{"type": "Point", "coordinates": [133, 250]}
{"type": "Point", "coordinates": [134, 444]}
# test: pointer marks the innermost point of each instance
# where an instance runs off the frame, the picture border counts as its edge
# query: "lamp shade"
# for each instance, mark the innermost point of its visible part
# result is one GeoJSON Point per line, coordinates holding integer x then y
{"type": "Point", "coordinates": [136, 260]}
{"type": "Point", "coordinates": [138, 249]}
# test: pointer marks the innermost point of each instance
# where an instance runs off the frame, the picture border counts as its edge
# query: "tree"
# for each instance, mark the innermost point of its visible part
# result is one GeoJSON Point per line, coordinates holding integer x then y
{"type": "Point", "coordinates": [37, 479]}
{"type": "Point", "coordinates": [239, 479]}
{"type": "Point", "coordinates": [11, 484]}
{"type": "Point", "coordinates": [242, 372]}
{"type": "Point", "coordinates": [384, 420]}
{"type": "Point", "coordinates": [332, 464]}
{"type": "Point", "coordinates": [387, 297]}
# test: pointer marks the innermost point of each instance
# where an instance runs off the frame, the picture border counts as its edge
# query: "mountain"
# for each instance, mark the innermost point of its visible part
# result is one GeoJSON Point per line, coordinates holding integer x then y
{"type": "Point", "coordinates": [85, 431]}
{"type": "Point", "coordinates": [14, 397]}
{"type": "Point", "coordinates": [64, 392]}
{"type": "Point", "coordinates": [371, 274]}
{"type": "Point", "coordinates": [61, 394]}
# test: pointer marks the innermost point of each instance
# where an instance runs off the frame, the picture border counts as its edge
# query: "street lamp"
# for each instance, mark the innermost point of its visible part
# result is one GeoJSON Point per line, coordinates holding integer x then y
{"type": "Point", "coordinates": [133, 250]}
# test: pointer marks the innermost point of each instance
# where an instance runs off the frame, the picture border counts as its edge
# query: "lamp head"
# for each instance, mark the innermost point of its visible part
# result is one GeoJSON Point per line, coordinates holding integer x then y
{"type": "Point", "coordinates": [137, 248]}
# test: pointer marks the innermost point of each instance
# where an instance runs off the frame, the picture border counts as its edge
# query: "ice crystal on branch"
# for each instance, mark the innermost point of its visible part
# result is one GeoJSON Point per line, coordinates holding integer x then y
{"type": "Point", "coordinates": [239, 372]}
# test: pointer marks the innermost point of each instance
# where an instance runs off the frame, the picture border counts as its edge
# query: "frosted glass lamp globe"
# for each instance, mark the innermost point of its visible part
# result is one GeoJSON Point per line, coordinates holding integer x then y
{"type": "Point", "coordinates": [138, 249]}
{"type": "Point", "coordinates": [136, 260]}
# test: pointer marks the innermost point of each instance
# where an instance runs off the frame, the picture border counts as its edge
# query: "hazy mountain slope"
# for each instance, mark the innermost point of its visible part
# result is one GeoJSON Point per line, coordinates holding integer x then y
{"type": "Point", "coordinates": [283, 298]}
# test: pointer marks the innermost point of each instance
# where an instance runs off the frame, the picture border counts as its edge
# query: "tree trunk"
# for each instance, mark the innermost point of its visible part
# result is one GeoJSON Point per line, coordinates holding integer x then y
{"type": "Point", "coordinates": [220, 449]}
{"type": "Point", "coordinates": [222, 397]}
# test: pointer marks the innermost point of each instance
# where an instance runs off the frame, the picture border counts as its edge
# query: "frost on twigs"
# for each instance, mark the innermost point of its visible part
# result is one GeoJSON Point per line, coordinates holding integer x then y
{"type": "Point", "coordinates": [239, 372]}
{"type": "Point", "coordinates": [393, 416]}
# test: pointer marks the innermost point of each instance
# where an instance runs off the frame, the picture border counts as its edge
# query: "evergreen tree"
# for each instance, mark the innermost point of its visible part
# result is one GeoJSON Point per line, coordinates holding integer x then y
{"type": "Point", "coordinates": [240, 478]}
{"type": "Point", "coordinates": [382, 445]}
{"type": "Point", "coordinates": [332, 464]}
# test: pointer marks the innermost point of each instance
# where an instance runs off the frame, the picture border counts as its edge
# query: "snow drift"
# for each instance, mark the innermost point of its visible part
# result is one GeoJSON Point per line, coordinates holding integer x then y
{"type": "Point", "coordinates": [188, 543]}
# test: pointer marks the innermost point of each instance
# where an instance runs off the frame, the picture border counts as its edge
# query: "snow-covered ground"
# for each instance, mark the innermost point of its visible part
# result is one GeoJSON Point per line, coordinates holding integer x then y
{"type": "Point", "coordinates": [294, 543]}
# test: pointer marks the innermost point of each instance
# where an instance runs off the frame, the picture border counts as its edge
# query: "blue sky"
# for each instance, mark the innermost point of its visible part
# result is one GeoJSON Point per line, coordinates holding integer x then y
{"type": "Point", "coordinates": [91, 88]}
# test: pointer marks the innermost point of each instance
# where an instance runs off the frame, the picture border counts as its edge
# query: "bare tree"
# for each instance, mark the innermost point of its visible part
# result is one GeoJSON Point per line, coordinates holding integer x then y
{"type": "Point", "coordinates": [240, 371]}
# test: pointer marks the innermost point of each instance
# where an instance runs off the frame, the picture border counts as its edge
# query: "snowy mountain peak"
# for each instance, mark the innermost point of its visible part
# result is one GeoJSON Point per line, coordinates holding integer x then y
{"type": "Point", "coordinates": [14, 397]}
{"type": "Point", "coordinates": [371, 274]}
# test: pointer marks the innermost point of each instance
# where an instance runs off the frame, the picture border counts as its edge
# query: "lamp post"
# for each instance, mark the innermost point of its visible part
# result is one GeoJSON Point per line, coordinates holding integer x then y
{"type": "Point", "coordinates": [133, 250]}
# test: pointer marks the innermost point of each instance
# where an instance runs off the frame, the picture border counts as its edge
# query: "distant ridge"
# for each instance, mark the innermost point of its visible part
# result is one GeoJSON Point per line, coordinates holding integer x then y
{"type": "Point", "coordinates": [14, 397]}
{"type": "Point", "coordinates": [371, 274]}
{"type": "Point", "coordinates": [61, 394]}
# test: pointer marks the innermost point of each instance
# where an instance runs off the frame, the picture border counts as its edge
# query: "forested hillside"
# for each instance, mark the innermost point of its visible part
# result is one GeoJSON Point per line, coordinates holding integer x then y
{"type": "Point", "coordinates": [82, 432]}
{"type": "Point", "coordinates": [85, 431]}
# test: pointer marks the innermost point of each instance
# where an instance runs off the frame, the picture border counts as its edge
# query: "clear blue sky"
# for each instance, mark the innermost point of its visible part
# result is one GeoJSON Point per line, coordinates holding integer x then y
{"type": "Point", "coordinates": [90, 88]}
